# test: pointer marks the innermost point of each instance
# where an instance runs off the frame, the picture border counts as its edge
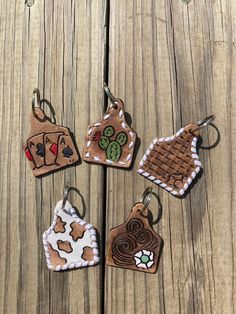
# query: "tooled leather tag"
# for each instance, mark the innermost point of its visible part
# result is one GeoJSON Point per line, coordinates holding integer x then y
{"type": "Point", "coordinates": [110, 140]}
{"type": "Point", "coordinates": [70, 242]}
{"type": "Point", "coordinates": [49, 146]}
{"type": "Point", "coordinates": [134, 244]}
{"type": "Point", "coordinates": [172, 162]}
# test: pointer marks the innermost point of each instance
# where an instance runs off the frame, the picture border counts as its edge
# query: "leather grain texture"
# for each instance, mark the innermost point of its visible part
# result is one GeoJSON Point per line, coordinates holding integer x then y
{"type": "Point", "coordinates": [134, 244]}
{"type": "Point", "coordinates": [110, 140]}
{"type": "Point", "coordinates": [49, 146]}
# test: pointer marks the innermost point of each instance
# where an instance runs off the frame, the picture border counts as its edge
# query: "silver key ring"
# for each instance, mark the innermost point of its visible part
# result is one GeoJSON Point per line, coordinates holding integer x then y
{"type": "Point", "coordinates": [66, 192]}
{"type": "Point", "coordinates": [110, 96]}
{"type": "Point", "coordinates": [204, 123]}
{"type": "Point", "coordinates": [146, 197]}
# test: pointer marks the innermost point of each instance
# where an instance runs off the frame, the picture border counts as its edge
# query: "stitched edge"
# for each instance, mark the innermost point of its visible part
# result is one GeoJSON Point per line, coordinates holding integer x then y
{"type": "Point", "coordinates": [87, 226]}
{"type": "Point", "coordinates": [157, 181]}
{"type": "Point", "coordinates": [124, 126]}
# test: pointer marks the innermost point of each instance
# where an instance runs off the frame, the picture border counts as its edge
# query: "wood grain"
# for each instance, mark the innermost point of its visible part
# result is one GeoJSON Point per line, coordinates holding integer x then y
{"type": "Point", "coordinates": [172, 64]}
{"type": "Point", "coordinates": [57, 46]}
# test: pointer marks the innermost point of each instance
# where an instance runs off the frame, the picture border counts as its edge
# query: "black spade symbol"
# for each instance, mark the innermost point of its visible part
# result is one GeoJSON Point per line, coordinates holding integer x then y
{"type": "Point", "coordinates": [67, 152]}
{"type": "Point", "coordinates": [41, 150]}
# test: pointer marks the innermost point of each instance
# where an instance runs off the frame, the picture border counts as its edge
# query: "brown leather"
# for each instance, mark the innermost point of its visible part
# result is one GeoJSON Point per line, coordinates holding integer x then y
{"type": "Point", "coordinates": [110, 140]}
{"type": "Point", "coordinates": [172, 161]}
{"type": "Point", "coordinates": [49, 146]}
{"type": "Point", "coordinates": [134, 238]}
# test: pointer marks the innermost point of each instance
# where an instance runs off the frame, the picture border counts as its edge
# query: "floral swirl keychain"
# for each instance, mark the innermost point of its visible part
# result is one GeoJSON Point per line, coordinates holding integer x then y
{"type": "Point", "coordinates": [70, 242]}
{"type": "Point", "coordinates": [134, 244]}
{"type": "Point", "coordinates": [173, 162]}
{"type": "Point", "coordinates": [110, 140]}
{"type": "Point", "coordinates": [49, 146]}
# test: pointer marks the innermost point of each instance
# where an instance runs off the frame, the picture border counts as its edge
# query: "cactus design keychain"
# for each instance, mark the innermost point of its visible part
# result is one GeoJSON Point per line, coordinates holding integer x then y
{"type": "Point", "coordinates": [173, 162]}
{"type": "Point", "coordinates": [134, 244]}
{"type": "Point", "coordinates": [70, 242]}
{"type": "Point", "coordinates": [110, 140]}
{"type": "Point", "coordinates": [49, 146]}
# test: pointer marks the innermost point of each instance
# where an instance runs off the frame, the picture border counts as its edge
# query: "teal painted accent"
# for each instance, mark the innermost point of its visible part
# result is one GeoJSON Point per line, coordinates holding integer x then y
{"type": "Point", "coordinates": [145, 259]}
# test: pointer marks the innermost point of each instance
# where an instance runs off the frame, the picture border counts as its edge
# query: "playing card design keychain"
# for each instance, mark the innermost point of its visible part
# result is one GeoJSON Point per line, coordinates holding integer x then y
{"type": "Point", "coordinates": [110, 140]}
{"type": "Point", "coordinates": [49, 146]}
{"type": "Point", "coordinates": [70, 242]}
{"type": "Point", "coordinates": [134, 244]}
{"type": "Point", "coordinates": [173, 162]}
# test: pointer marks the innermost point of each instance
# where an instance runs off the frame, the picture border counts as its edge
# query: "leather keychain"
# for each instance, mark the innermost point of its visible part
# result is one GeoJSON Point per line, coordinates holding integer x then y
{"type": "Point", "coordinates": [49, 146]}
{"type": "Point", "coordinates": [173, 162]}
{"type": "Point", "coordinates": [70, 242]}
{"type": "Point", "coordinates": [110, 140]}
{"type": "Point", "coordinates": [134, 244]}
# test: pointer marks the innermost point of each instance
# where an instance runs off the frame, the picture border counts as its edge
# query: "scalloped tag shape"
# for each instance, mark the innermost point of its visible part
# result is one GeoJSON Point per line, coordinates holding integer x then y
{"type": "Point", "coordinates": [172, 162]}
{"type": "Point", "coordinates": [134, 244]}
{"type": "Point", "coordinates": [110, 140]}
{"type": "Point", "coordinates": [70, 242]}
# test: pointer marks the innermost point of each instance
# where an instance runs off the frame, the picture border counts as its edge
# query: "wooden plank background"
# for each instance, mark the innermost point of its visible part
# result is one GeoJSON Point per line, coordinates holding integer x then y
{"type": "Point", "coordinates": [172, 62]}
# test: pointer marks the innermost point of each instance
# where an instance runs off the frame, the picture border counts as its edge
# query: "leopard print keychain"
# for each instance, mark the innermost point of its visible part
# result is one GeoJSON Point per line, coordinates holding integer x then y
{"type": "Point", "coordinates": [134, 244]}
{"type": "Point", "coordinates": [110, 140]}
{"type": "Point", "coordinates": [70, 242]}
{"type": "Point", "coordinates": [49, 146]}
{"type": "Point", "coordinates": [173, 162]}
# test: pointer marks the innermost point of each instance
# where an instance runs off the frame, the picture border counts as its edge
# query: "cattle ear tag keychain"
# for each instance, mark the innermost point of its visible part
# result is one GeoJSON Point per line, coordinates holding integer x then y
{"type": "Point", "coordinates": [134, 244]}
{"type": "Point", "coordinates": [173, 162]}
{"type": "Point", "coordinates": [70, 242]}
{"type": "Point", "coordinates": [110, 140]}
{"type": "Point", "coordinates": [49, 146]}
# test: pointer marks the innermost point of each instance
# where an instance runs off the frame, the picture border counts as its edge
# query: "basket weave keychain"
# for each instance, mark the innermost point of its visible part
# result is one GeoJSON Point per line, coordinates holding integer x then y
{"type": "Point", "coordinates": [134, 244]}
{"type": "Point", "coordinates": [70, 242]}
{"type": "Point", "coordinates": [49, 146]}
{"type": "Point", "coordinates": [173, 162]}
{"type": "Point", "coordinates": [110, 140]}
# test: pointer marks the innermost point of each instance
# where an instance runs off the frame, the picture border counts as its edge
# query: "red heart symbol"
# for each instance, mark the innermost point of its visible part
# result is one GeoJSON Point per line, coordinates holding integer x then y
{"type": "Point", "coordinates": [53, 148]}
{"type": "Point", "coordinates": [28, 154]}
{"type": "Point", "coordinates": [97, 136]}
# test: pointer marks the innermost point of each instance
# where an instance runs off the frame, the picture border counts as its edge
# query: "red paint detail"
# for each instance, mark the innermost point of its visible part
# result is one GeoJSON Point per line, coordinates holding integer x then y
{"type": "Point", "coordinates": [53, 148]}
{"type": "Point", "coordinates": [97, 136]}
{"type": "Point", "coordinates": [28, 154]}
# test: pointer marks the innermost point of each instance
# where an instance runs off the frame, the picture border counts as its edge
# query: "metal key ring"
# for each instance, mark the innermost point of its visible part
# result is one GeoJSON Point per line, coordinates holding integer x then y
{"type": "Point", "coordinates": [146, 197]}
{"type": "Point", "coordinates": [36, 95]}
{"type": "Point", "coordinates": [204, 122]}
{"type": "Point", "coordinates": [110, 96]}
{"type": "Point", "coordinates": [65, 197]}
{"type": "Point", "coordinates": [37, 104]}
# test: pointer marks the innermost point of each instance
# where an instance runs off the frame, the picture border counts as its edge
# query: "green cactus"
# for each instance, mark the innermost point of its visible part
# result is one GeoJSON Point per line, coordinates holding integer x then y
{"type": "Point", "coordinates": [103, 142]}
{"type": "Point", "coordinates": [113, 151]}
{"type": "Point", "coordinates": [113, 148]}
{"type": "Point", "coordinates": [121, 138]}
{"type": "Point", "coordinates": [108, 131]}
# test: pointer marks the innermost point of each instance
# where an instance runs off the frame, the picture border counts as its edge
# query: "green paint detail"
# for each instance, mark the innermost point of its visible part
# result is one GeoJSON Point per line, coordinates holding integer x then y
{"type": "Point", "coordinates": [144, 259]}
{"type": "Point", "coordinates": [121, 138]}
{"type": "Point", "coordinates": [108, 131]}
{"type": "Point", "coordinates": [113, 151]}
{"type": "Point", "coordinates": [103, 142]}
{"type": "Point", "coordinates": [113, 148]}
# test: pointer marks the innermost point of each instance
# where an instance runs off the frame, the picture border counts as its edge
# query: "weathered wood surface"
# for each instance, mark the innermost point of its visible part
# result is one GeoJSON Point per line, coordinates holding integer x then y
{"type": "Point", "coordinates": [174, 63]}
{"type": "Point", "coordinates": [171, 63]}
{"type": "Point", "coordinates": [57, 46]}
